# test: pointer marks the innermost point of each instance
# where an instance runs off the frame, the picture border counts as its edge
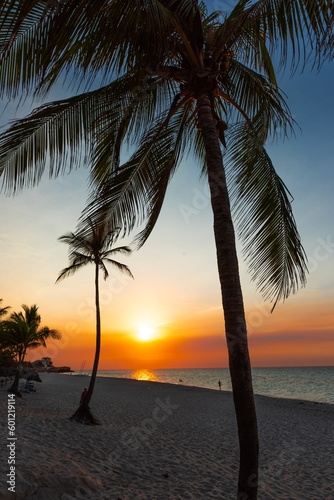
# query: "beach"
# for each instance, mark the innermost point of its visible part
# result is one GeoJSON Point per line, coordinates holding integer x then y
{"type": "Point", "coordinates": [159, 442]}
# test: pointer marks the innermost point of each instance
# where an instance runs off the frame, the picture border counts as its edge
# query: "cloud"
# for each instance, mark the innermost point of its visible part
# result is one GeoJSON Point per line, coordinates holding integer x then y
{"type": "Point", "coordinates": [287, 337]}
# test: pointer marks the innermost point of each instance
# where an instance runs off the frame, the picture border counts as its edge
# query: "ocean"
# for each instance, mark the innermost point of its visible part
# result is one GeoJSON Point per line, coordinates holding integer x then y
{"type": "Point", "coordinates": [307, 383]}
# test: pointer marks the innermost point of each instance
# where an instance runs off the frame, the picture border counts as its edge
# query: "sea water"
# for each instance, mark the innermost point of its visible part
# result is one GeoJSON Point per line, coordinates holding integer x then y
{"type": "Point", "coordinates": [307, 383]}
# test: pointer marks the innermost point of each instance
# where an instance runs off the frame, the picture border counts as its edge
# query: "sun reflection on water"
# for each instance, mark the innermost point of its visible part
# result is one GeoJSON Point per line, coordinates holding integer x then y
{"type": "Point", "coordinates": [146, 375]}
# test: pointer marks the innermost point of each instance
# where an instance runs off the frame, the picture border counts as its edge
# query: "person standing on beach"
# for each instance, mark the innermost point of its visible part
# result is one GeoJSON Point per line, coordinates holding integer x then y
{"type": "Point", "coordinates": [219, 385]}
{"type": "Point", "coordinates": [83, 395]}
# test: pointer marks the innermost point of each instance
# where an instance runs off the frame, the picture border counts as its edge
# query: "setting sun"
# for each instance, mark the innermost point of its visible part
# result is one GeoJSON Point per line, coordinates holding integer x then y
{"type": "Point", "coordinates": [145, 332]}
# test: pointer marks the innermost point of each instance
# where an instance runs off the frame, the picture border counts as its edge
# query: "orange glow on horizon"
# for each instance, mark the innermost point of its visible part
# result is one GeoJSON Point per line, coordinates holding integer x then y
{"type": "Point", "coordinates": [295, 335]}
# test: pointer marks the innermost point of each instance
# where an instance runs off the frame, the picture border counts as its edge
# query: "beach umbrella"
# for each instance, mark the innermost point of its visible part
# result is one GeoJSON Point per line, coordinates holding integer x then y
{"type": "Point", "coordinates": [30, 375]}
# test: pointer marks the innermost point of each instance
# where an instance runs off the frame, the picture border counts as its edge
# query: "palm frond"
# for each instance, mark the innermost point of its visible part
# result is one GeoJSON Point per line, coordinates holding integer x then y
{"type": "Point", "coordinates": [46, 333]}
{"type": "Point", "coordinates": [255, 95]}
{"type": "Point", "coordinates": [184, 131]}
{"type": "Point", "coordinates": [78, 244]}
{"type": "Point", "coordinates": [121, 267]}
{"type": "Point", "coordinates": [58, 134]}
{"type": "Point", "coordinates": [136, 104]}
{"type": "Point", "coordinates": [264, 218]}
{"type": "Point", "coordinates": [327, 43]}
{"type": "Point", "coordinates": [125, 250]}
{"type": "Point", "coordinates": [294, 30]}
{"type": "Point", "coordinates": [122, 198]}
{"type": "Point", "coordinates": [135, 192]}
{"type": "Point", "coordinates": [62, 134]}
{"type": "Point", "coordinates": [53, 134]}
{"type": "Point", "coordinates": [23, 26]}
{"type": "Point", "coordinates": [83, 40]}
{"type": "Point", "coordinates": [71, 270]}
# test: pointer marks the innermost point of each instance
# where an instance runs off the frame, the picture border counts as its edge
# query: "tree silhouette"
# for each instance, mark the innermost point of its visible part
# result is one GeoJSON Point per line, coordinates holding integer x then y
{"type": "Point", "coordinates": [95, 246]}
{"type": "Point", "coordinates": [21, 332]}
{"type": "Point", "coordinates": [175, 79]}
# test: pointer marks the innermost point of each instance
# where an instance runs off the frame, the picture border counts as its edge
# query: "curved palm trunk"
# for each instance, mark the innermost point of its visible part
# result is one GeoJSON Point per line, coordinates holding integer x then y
{"type": "Point", "coordinates": [235, 323]}
{"type": "Point", "coordinates": [14, 389]}
{"type": "Point", "coordinates": [83, 413]}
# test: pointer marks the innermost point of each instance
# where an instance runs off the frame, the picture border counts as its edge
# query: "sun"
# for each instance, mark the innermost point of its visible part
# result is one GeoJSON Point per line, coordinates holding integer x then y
{"type": "Point", "coordinates": [145, 332]}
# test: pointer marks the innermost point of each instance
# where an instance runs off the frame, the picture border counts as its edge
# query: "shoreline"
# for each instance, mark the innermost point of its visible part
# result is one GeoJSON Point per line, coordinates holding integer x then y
{"type": "Point", "coordinates": [161, 441]}
{"type": "Point", "coordinates": [286, 383]}
{"type": "Point", "coordinates": [256, 395]}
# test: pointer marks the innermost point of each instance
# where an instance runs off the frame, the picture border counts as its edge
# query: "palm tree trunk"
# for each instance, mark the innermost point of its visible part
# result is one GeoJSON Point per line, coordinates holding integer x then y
{"type": "Point", "coordinates": [98, 340]}
{"type": "Point", "coordinates": [83, 413]}
{"type": "Point", "coordinates": [235, 323]}
{"type": "Point", "coordinates": [14, 389]}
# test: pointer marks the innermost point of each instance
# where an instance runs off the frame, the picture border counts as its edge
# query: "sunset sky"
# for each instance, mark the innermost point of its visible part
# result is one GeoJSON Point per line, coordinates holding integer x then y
{"type": "Point", "coordinates": [175, 296]}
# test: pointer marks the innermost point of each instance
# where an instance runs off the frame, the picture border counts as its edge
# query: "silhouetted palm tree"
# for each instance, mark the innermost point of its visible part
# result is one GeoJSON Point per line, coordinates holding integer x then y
{"type": "Point", "coordinates": [21, 332]}
{"type": "Point", "coordinates": [93, 247]}
{"type": "Point", "coordinates": [3, 310]}
{"type": "Point", "coordinates": [173, 79]}
{"type": "Point", "coordinates": [7, 355]}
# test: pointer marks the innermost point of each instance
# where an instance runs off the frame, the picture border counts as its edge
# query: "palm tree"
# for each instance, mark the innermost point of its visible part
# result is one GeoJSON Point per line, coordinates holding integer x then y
{"type": "Point", "coordinates": [174, 79]}
{"type": "Point", "coordinates": [6, 354]}
{"type": "Point", "coordinates": [3, 310]}
{"type": "Point", "coordinates": [93, 247]}
{"type": "Point", "coordinates": [21, 332]}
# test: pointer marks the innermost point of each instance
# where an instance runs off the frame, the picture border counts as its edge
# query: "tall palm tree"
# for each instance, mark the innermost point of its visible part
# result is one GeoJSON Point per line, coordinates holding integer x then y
{"type": "Point", "coordinates": [21, 332]}
{"type": "Point", "coordinates": [174, 78]}
{"type": "Point", "coordinates": [93, 247]}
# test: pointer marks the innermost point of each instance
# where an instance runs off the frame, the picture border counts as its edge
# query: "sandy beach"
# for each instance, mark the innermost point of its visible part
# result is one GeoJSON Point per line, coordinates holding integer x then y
{"type": "Point", "coordinates": [159, 442]}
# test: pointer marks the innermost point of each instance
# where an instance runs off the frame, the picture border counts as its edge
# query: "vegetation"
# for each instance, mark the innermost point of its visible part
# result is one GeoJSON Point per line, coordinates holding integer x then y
{"type": "Point", "coordinates": [21, 332]}
{"type": "Point", "coordinates": [3, 310]}
{"type": "Point", "coordinates": [95, 246]}
{"type": "Point", "coordinates": [174, 79]}
{"type": "Point", "coordinates": [7, 355]}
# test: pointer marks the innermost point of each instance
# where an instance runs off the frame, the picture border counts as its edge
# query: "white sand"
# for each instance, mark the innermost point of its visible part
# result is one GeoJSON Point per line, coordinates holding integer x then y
{"type": "Point", "coordinates": [151, 430]}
